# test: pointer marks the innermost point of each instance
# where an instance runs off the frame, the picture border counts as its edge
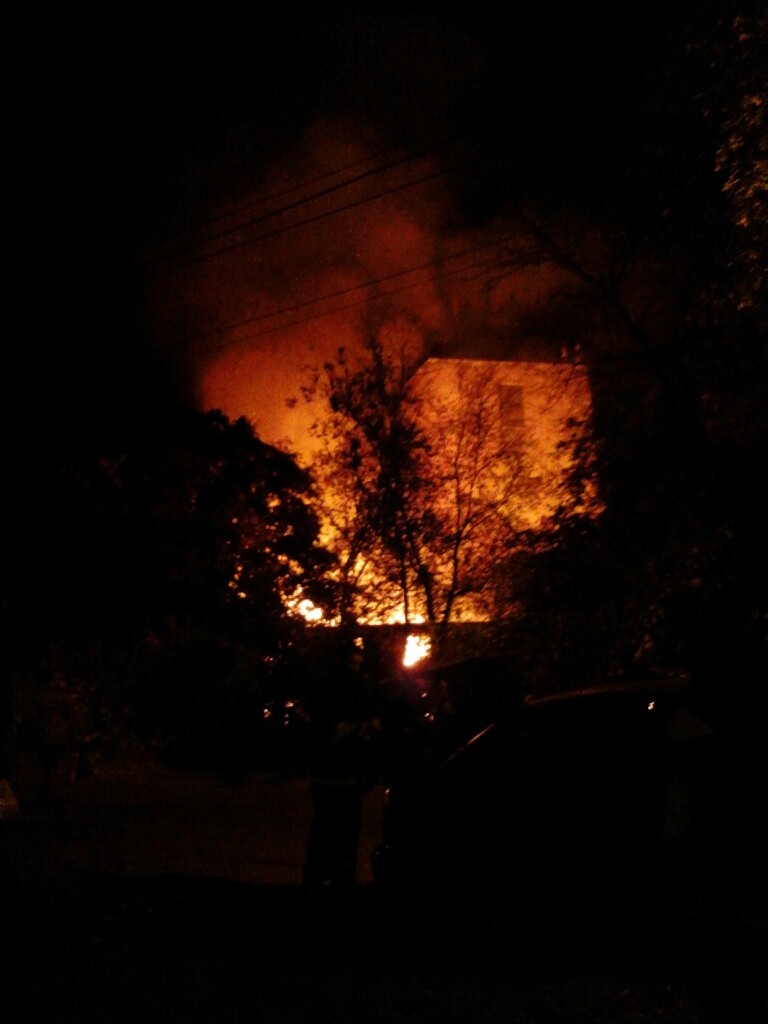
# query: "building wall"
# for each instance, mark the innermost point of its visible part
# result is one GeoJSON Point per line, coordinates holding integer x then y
{"type": "Point", "coordinates": [528, 410]}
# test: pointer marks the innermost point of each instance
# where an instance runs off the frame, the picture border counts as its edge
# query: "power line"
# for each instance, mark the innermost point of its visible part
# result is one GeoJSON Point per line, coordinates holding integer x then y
{"type": "Point", "coordinates": [288, 207]}
{"type": "Point", "coordinates": [288, 191]}
{"type": "Point", "coordinates": [349, 305]}
{"type": "Point", "coordinates": [352, 288]}
{"type": "Point", "coordinates": [238, 211]}
{"type": "Point", "coordinates": [316, 217]}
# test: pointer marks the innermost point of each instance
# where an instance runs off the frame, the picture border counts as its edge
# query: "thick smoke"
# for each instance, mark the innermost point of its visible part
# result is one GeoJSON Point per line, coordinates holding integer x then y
{"type": "Point", "coordinates": [340, 232]}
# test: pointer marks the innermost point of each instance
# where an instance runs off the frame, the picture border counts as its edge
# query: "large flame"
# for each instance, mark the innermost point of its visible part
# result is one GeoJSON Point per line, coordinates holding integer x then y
{"type": "Point", "coordinates": [417, 648]}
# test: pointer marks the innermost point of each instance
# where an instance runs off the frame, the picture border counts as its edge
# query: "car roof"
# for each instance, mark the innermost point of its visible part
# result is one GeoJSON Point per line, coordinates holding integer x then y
{"type": "Point", "coordinates": [601, 706]}
{"type": "Point", "coordinates": [646, 688]}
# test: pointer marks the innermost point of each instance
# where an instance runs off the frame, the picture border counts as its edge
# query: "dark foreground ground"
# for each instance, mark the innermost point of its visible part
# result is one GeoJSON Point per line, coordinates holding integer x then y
{"type": "Point", "coordinates": [145, 897]}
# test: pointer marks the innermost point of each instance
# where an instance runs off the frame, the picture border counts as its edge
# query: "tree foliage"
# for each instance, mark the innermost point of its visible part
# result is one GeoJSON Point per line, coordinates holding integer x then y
{"type": "Point", "coordinates": [427, 494]}
{"type": "Point", "coordinates": [371, 470]}
{"type": "Point", "coordinates": [662, 285]}
{"type": "Point", "coordinates": [172, 565]}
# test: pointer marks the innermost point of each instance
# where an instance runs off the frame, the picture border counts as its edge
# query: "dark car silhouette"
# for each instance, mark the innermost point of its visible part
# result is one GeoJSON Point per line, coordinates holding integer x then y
{"type": "Point", "coordinates": [563, 794]}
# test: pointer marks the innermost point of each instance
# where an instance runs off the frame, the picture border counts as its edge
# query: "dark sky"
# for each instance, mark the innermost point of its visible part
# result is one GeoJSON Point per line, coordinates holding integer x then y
{"type": "Point", "coordinates": [182, 102]}
{"type": "Point", "coordinates": [140, 125]}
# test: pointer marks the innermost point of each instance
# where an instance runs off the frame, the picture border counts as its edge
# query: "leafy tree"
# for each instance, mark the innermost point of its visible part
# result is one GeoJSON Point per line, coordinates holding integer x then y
{"type": "Point", "coordinates": [427, 494]}
{"type": "Point", "coordinates": [734, 96]}
{"type": "Point", "coordinates": [371, 472]}
{"type": "Point", "coordinates": [489, 485]}
{"type": "Point", "coordinates": [660, 279]}
{"type": "Point", "coordinates": [173, 566]}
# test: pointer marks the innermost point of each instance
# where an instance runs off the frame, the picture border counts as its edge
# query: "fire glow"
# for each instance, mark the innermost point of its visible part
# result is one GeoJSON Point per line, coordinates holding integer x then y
{"type": "Point", "coordinates": [417, 648]}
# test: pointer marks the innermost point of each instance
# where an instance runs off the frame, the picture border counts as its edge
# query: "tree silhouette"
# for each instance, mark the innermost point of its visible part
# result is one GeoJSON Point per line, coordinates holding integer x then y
{"type": "Point", "coordinates": [173, 565]}
{"type": "Point", "coordinates": [427, 490]}
{"type": "Point", "coordinates": [660, 281]}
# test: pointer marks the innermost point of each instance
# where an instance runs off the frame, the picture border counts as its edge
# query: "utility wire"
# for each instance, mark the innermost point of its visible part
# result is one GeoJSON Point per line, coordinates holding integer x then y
{"type": "Point", "coordinates": [353, 288]}
{"type": "Point", "coordinates": [184, 246]}
{"type": "Point", "coordinates": [286, 208]}
{"type": "Point", "coordinates": [426, 150]}
{"type": "Point", "coordinates": [286, 192]}
{"type": "Point", "coordinates": [244, 243]}
{"type": "Point", "coordinates": [481, 264]}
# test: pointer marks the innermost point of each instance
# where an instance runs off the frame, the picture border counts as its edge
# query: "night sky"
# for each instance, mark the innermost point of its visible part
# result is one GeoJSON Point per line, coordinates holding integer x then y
{"type": "Point", "coordinates": [145, 130]}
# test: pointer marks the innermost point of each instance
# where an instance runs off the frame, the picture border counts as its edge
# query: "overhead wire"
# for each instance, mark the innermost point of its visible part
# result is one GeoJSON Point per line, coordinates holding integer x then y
{"type": "Point", "coordinates": [178, 260]}
{"type": "Point", "coordinates": [244, 243]}
{"type": "Point", "coordinates": [481, 264]}
{"type": "Point", "coordinates": [199, 341]}
{"type": "Point", "coordinates": [184, 246]}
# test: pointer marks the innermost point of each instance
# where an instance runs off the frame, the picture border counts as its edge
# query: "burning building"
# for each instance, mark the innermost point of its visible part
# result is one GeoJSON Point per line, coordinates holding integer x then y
{"type": "Point", "coordinates": [434, 479]}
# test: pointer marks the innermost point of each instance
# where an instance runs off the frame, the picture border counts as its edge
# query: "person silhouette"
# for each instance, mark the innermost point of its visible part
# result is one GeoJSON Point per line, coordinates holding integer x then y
{"type": "Point", "coordinates": [343, 770]}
